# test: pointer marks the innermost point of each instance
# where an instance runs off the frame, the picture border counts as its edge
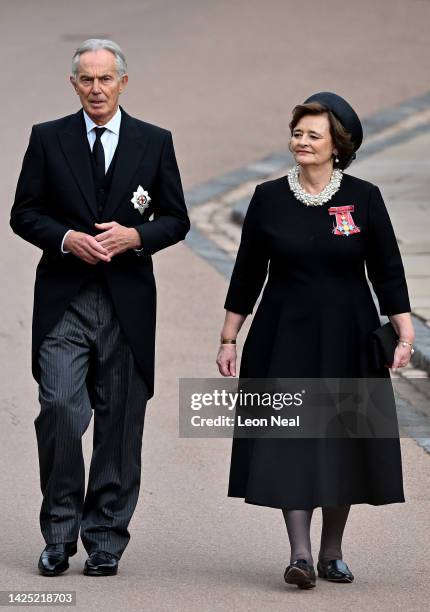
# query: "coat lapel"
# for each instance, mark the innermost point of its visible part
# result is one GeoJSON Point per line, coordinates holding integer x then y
{"type": "Point", "coordinates": [74, 143]}
{"type": "Point", "coordinates": [131, 149]}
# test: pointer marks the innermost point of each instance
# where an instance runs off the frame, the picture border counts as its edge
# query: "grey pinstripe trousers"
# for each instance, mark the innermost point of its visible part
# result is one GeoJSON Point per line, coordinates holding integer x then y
{"type": "Point", "coordinates": [87, 366]}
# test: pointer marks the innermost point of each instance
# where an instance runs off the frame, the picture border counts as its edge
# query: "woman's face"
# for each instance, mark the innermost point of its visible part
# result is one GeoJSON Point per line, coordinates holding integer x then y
{"type": "Point", "coordinates": [311, 142]}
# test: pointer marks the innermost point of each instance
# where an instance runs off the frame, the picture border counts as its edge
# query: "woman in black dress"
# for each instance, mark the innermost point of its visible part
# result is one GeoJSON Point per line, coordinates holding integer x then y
{"type": "Point", "coordinates": [314, 320]}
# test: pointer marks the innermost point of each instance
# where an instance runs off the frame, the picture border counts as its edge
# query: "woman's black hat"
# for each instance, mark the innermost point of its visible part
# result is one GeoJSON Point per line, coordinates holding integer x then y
{"type": "Point", "coordinates": [342, 111]}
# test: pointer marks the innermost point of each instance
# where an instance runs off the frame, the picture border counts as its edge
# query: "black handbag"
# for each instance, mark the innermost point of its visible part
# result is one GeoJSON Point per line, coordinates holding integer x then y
{"type": "Point", "coordinates": [384, 344]}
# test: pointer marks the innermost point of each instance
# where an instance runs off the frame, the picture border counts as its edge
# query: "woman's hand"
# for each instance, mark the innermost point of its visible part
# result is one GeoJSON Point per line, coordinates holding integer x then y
{"type": "Point", "coordinates": [402, 356]}
{"type": "Point", "coordinates": [226, 359]}
{"type": "Point", "coordinates": [404, 328]}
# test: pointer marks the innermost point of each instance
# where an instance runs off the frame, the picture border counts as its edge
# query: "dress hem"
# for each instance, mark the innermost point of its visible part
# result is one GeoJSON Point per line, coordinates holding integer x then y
{"type": "Point", "coordinates": [330, 505]}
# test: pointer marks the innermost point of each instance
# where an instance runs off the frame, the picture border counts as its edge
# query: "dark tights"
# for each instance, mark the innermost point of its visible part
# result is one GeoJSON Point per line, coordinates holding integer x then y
{"type": "Point", "coordinates": [298, 524]}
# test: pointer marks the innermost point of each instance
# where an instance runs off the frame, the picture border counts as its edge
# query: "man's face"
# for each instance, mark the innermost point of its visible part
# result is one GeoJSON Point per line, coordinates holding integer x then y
{"type": "Point", "coordinates": [97, 84]}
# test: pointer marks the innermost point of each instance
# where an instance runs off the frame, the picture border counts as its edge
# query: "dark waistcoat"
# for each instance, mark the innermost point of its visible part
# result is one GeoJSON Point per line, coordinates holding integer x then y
{"type": "Point", "coordinates": [102, 188]}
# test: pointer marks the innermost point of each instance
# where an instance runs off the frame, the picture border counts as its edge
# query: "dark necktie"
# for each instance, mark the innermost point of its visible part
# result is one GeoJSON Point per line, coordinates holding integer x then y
{"type": "Point", "coordinates": [99, 154]}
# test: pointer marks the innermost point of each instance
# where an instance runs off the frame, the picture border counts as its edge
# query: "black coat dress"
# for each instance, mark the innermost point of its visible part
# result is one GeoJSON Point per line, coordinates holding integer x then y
{"type": "Point", "coordinates": [314, 320]}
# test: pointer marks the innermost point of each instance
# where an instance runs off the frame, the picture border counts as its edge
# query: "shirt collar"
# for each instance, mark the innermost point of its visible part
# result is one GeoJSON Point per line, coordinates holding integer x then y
{"type": "Point", "coordinates": [112, 125]}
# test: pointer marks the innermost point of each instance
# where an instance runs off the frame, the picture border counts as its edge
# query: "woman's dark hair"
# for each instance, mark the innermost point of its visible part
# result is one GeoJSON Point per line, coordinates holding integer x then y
{"type": "Point", "coordinates": [341, 138]}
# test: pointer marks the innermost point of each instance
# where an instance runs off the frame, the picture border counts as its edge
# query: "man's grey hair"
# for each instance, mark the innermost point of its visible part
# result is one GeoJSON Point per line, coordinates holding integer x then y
{"type": "Point", "coordinates": [94, 44]}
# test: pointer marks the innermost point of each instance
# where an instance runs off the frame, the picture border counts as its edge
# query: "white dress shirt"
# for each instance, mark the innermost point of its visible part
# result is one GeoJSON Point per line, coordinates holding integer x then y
{"type": "Point", "coordinates": [109, 140]}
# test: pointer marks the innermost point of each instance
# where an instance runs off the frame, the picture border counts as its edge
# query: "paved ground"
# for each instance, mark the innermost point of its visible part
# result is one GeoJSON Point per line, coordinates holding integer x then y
{"type": "Point", "coordinates": [223, 76]}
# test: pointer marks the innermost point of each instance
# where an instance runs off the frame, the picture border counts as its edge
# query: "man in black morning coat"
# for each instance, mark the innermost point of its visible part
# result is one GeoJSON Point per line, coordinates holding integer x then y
{"type": "Point", "coordinates": [85, 196]}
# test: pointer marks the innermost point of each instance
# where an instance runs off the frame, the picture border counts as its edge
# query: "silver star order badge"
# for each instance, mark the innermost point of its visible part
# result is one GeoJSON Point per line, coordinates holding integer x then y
{"type": "Point", "coordinates": [140, 199]}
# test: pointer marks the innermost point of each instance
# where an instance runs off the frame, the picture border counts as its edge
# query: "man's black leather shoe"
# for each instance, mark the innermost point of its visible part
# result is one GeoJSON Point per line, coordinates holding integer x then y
{"type": "Point", "coordinates": [335, 570]}
{"type": "Point", "coordinates": [300, 572]}
{"type": "Point", "coordinates": [101, 563]}
{"type": "Point", "coordinates": [54, 559]}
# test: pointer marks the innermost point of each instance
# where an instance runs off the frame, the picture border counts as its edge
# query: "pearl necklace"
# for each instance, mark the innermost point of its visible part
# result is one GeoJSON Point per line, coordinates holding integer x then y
{"type": "Point", "coordinates": [320, 198]}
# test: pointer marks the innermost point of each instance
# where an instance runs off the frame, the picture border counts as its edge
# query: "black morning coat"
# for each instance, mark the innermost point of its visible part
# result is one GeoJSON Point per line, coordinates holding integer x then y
{"type": "Point", "coordinates": [56, 192]}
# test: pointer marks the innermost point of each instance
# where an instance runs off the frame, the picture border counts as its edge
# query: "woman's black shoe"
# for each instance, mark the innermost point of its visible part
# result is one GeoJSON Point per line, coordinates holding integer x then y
{"type": "Point", "coordinates": [335, 570]}
{"type": "Point", "coordinates": [300, 572]}
{"type": "Point", "coordinates": [54, 559]}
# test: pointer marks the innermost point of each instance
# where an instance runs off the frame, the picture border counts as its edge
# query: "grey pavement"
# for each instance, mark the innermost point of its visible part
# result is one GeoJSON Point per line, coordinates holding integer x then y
{"type": "Point", "coordinates": [224, 77]}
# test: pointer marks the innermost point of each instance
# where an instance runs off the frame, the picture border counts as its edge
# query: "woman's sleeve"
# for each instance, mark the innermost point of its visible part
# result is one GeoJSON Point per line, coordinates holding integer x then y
{"type": "Point", "coordinates": [250, 268]}
{"type": "Point", "coordinates": [383, 260]}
